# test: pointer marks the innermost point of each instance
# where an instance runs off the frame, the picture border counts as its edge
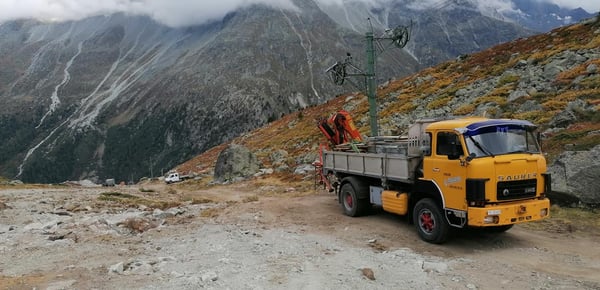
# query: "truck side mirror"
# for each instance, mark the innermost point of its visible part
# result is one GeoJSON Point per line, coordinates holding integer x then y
{"type": "Point", "coordinates": [425, 150]}
{"type": "Point", "coordinates": [453, 156]}
{"type": "Point", "coordinates": [455, 151]}
{"type": "Point", "coordinates": [470, 157]}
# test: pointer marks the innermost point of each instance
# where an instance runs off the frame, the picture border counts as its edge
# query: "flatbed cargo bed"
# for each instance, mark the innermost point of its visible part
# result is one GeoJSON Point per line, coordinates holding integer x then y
{"type": "Point", "coordinates": [388, 166]}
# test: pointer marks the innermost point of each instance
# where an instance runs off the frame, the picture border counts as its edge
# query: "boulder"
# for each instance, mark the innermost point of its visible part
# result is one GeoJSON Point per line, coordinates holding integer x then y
{"type": "Point", "coordinates": [264, 171]}
{"type": "Point", "coordinates": [235, 162]}
{"type": "Point", "coordinates": [308, 158]}
{"type": "Point", "coordinates": [116, 268]}
{"type": "Point", "coordinates": [551, 70]}
{"type": "Point", "coordinates": [570, 114]}
{"type": "Point", "coordinates": [304, 169]}
{"type": "Point", "coordinates": [517, 94]}
{"type": "Point", "coordinates": [576, 173]}
{"type": "Point", "coordinates": [529, 106]}
{"type": "Point", "coordinates": [15, 182]}
{"type": "Point", "coordinates": [282, 168]}
{"type": "Point", "coordinates": [563, 119]}
{"type": "Point", "coordinates": [209, 276]}
{"type": "Point", "coordinates": [278, 156]}
{"type": "Point", "coordinates": [592, 68]}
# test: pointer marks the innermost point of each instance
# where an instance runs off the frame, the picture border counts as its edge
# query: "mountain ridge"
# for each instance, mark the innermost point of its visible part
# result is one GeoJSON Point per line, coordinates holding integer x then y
{"type": "Point", "coordinates": [126, 97]}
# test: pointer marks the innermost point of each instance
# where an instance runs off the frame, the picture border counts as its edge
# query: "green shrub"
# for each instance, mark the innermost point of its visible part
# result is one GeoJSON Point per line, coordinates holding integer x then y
{"type": "Point", "coordinates": [439, 102]}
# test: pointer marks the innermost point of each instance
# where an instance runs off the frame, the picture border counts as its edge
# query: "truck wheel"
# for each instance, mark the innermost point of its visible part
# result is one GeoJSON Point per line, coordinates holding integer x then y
{"type": "Point", "coordinates": [429, 221]}
{"type": "Point", "coordinates": [351, 204]}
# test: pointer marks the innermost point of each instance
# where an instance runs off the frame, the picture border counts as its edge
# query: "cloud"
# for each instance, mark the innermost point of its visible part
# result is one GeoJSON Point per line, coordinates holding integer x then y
{"type": "Point", "coordinates": [501, 6]}
{"type": "Point", "coordinates": [172, 13]}
{"type": "Point", "coordinates": [591, 6]}
{"type": "Point", "coordinates": [189, 12]}
{"type": "Point", "coordinates": [181, 13]}
{"type": "Point", "coordinates": [375, 3]}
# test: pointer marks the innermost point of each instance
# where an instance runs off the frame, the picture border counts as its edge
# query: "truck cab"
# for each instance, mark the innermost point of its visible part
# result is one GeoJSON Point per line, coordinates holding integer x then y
{"type": "Point", "coordinates": [485, 173]}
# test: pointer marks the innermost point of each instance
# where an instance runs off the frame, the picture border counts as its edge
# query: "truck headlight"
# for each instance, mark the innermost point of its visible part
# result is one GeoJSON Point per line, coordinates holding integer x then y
{"type": "Point", "coordinates": [543, 212]}
{"type": "Point", "coordinates": [491, 219]}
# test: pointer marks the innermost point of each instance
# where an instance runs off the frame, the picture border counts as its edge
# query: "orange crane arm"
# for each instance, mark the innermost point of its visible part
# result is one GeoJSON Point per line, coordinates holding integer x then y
{"type": "Point", "coordinates": [339, 128]}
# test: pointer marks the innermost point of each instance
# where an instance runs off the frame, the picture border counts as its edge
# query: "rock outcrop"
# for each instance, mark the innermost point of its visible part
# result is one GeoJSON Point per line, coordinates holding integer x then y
{"type": "Point", "coordinates": [234, 163]}
{"type": "Point", "coordinates": [576, 173]}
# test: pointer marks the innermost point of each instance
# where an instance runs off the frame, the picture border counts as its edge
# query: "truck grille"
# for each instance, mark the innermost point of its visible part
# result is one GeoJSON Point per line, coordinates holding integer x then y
{"type": "Point", "coordinates": [516, 189]}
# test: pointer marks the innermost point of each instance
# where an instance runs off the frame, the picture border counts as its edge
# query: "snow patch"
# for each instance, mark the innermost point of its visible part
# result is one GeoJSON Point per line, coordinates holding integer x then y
{"type": "Point", "coordinates": [67, 76]}
{"type": "Point", "coordinates": [307, 46]}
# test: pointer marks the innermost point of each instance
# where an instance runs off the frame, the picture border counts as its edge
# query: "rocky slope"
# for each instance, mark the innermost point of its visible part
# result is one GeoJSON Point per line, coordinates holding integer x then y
{"type": "Point", "coordinates": [551, 79]}
{"type": "Point", "coordinates": [124, 96]}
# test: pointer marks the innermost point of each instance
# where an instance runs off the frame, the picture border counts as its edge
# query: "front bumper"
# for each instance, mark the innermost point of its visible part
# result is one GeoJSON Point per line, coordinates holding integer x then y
{"type": "Point", "coordinates": [509, 213]}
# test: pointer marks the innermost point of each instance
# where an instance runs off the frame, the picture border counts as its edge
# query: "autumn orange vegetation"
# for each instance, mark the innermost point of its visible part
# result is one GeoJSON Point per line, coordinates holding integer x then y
{"type": "Point", "coordinates": [298, 134]}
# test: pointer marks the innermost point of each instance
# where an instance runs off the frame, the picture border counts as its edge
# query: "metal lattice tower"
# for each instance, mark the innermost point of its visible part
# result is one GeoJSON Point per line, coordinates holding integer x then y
{"type": "Point", "coordinates": [398, 37]}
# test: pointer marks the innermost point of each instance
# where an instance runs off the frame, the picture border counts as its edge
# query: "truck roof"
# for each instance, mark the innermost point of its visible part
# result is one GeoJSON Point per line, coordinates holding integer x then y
{"type": "Point", "coordinates": [455, 123]}
{"type": "Point", "coordinates": [475, 124]}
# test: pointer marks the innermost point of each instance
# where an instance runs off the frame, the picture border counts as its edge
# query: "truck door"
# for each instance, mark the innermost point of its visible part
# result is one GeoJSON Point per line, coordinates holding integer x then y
{"type": "Point", "coordinates": [446, 170]}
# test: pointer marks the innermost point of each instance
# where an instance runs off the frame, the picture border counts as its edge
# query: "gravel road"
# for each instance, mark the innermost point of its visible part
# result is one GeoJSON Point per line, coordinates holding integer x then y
{"type": "Point", "coordinates": [257, 236]}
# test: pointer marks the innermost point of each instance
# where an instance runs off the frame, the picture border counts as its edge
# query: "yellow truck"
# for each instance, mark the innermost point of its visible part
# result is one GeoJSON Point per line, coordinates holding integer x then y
{"type": "Point", "coordinates": [468, 172]}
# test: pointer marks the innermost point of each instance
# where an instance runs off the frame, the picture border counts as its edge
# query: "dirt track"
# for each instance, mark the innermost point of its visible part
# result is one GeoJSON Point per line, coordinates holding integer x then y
{"type": "Point", "coordinates": [258, 236]}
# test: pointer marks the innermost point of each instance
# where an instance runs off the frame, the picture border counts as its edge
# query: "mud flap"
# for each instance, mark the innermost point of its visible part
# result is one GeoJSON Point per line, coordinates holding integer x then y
{"type": "Point", "coordinates": [456, 218]}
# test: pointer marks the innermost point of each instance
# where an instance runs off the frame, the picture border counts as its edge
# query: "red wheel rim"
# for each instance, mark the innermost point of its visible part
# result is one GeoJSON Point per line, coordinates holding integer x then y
{"type": "Point", "coordinates": [349, 200]}
{"type": "Point", "coordinates": [426, 221]}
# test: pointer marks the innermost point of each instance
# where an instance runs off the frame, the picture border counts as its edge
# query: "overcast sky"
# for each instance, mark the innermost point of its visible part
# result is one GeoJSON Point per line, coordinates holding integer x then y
{"type": "Point", "coordinates": [179, 12]}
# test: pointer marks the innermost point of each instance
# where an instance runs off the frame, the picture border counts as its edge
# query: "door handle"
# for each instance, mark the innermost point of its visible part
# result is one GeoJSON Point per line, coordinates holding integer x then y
{"type": "Point", "coordinates": [436, 170]}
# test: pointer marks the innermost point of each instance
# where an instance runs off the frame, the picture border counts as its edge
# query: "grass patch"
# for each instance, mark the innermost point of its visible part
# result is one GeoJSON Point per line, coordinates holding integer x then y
{"type": "Point", "coordinates": [464, 109]}
{"type": "Point", "coordinates": [439, 102]}
{"type": "Point", "coordinates": [407, 107]}
{"type": "Point", "coordinates": [569, 220]}
{"type": "Point", "coordinates": [566, 77]}
{"type": "Point", "coordinates": [250, 198]}
{"type": "Point", "coordinates": [585, 142]}
{"type": "Point", "coordinates": [499, 100]}
{"type": "Point", "coordinates": [508, 79]}
{"type": "Point", "coordinates": [211, 212]}
{"type": "Point", "coordinates": [591, 82]}
{"type": "Point", "coordinates": [139, 225]}
{"type": "Point", "coordinates": [114, 196]}
{"type": "Point", "coordinates": [537, 117]}
{"type": "Point", "coordinates": [588, 116]}
{"type": "Point", "coordinates": [581, 136]}
{"type": "Point", "coordinates": [198, 200]}
{"type": "Point", "coordinates": [129, 200]}
{"type": "Point", "coordinates": [554, 105]}
{"type": "Point", "coordinates": [568, 135]}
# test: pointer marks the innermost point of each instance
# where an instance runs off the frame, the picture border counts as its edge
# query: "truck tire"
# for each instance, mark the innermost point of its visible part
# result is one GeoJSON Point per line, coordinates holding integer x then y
{"type": "Point", "coordinates": [429, 221]}
{"type": "Point", "coordinates": [351, 204]}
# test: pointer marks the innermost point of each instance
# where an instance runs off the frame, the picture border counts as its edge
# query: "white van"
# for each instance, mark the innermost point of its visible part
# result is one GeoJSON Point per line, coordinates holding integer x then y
{"type": "Point", "coordinates": [172, 177]}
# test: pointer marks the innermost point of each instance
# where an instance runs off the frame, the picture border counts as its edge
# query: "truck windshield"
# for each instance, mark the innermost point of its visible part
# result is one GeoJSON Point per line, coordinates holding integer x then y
{"type": "Point", "coordinates": [501, 140]}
